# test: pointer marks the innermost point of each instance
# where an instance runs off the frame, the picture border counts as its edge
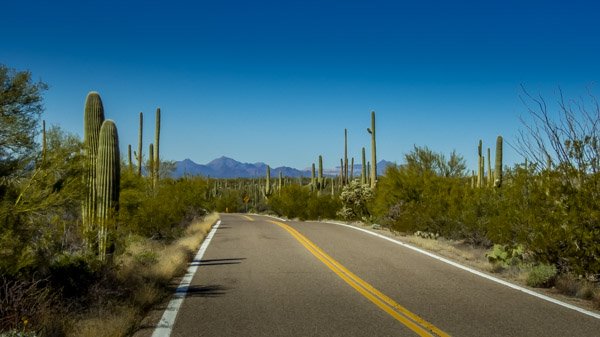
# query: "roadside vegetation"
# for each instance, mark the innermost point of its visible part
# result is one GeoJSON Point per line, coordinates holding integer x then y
{"type": "Point", "coordinates": [55, 277]}
{"type": "Point", "coordinates": [81, 256]}
{"type": "Point", "coordinates": [539, 219]}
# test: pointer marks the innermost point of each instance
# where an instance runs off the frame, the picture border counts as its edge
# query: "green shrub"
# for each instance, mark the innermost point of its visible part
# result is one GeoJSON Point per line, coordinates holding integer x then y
{"type": "Point", "coordinates": [542, 275]}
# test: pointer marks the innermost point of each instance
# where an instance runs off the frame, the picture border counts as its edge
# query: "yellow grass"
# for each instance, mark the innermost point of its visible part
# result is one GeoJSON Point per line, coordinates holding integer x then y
{"type": "Point", "coordinates": [116, 323]}
{"type": "Point", "coordinates": [149, 266]}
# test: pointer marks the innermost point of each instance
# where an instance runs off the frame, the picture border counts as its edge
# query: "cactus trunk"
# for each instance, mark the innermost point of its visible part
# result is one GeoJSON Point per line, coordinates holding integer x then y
{"type": "Point", "coordinates": [108, 173]}
{"type": "Point", "coordinates": [156, 174]}
{"type": "Point", "coordinates": [345, 156]}
{"type": "Point", "coordinates": [139, 154]}
{"type": "Point", "coordinates": [371, 130]}
{"type": "Point", "coordinates": [130, 163]}
{"type": "Point", "coordinates": [268, 191]}
{"type": "Point", "coordinates": [92, 122]}
{"type": "Point", "coordinates": [151, 162]}
{"type": "Point", "coordinates": [490, 179]}
{"type": "Point", "coordinates": [363, 168]}
{"type": "Point", "coordinates": [479, 164]}
{"type": "Point", "coordinates": [320, 180]}
{"type": "Point", "coordinates": [498, 169]}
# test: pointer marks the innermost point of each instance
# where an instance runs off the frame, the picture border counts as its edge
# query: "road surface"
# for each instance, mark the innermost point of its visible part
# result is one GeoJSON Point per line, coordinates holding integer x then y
{"type": "Point", "coordinates": [260, 276]}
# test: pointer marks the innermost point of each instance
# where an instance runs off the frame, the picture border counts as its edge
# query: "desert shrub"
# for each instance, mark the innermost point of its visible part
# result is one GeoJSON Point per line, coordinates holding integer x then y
{"type": "Point", "coordinates": [24, 303]}
{"type": "Point", "coordinates": [161, 212]}
{"type": "Point", "coordinates": [322, 206]}
{"type": "Point", "coordinates": [229, 201]}
{"type": "Point", "coordinates": [291, 201]}
{"type": "Point", "coordinates": [541, 275]}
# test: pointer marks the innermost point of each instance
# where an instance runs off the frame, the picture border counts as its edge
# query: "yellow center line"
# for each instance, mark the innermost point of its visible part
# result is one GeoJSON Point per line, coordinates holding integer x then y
{"type": "Point", "coordinates": [403, 315]}
{"type": "Point", "coordinates": [248, 218]}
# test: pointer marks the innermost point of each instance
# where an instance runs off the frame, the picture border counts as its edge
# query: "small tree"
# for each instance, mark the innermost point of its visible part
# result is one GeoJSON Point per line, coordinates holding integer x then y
{"type": "Point", "coordinates": [21, 105]}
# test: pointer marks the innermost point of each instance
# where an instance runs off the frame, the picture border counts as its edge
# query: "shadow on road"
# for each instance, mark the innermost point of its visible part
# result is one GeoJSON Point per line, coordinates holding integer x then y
{"type": "Point", "coordinates": [214, 290]}
{"type": "Point", "coordinates": [218, 262]}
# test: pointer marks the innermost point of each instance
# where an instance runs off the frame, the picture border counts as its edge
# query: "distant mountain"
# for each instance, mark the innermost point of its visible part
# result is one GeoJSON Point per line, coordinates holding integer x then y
{"type": "Point", "coordinates": [225, 167]}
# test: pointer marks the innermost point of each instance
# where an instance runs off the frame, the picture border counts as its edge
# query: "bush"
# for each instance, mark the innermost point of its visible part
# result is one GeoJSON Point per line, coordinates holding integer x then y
{"type": "Point", "coordinates": [163, 212]}
{"type": "Point", "coordinates": [542, 275]}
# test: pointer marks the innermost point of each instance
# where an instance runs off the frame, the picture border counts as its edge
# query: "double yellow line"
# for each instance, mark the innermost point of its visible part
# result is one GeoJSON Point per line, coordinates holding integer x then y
{"type": "Point", "coordinates": [403, 315]}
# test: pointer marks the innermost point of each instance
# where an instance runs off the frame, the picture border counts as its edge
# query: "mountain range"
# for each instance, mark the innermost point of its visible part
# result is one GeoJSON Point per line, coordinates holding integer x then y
{"type": "Point", "coordinates": [225, 167]}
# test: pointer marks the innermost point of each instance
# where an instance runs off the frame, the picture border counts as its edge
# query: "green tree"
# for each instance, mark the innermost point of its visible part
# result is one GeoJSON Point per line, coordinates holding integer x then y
{"type": "Point", "coordinates": [21, 105]}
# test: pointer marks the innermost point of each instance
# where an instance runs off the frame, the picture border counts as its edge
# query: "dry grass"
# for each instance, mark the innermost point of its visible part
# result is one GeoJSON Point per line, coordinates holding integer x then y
{"type": "Point", "coordinates": [455, 250]}
{"type": "Point", "coordinates": [146, 267]}
{"type": "Point", "coordinates": [115, 323]}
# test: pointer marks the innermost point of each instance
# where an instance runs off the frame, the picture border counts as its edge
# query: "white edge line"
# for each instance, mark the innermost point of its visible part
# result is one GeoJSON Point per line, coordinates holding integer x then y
{"type": "Point", "coordinates": [165, 325]}
{"type": "Point", "coordinates": [473, 271]}
{"type": "Point", "coordinates": [270, 216]}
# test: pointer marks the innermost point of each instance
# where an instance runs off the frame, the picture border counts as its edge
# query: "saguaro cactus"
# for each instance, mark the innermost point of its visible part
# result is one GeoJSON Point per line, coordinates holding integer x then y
{"type": "Point", "coordinates": [313, 183]}
{"type": "Point", "coordinates": [498, 169]}
{"type": "Point", "coordinates": [139, 154]}
{"type": "Point", "coordinates": [490, 179]}
{"type": "Point", "coordinates": [93, 117]}
{"type": "Point", "coordinates": [151, 162]}
{"type": "Point", "coordinates": [130, 163]}
{"type": "Point", "coordinates": [352, 169]}
{"type": "Point", "coordinates": [108, 174]}
{"type": "Point", "coordinates": [363, 168]}
{"type": "Point", "coordinates": [280, 182]}
{"type": "Point", "coordinates": [320, 179]}
{"type": "Point", "coordinates": [156, 175]}
{"type": "Point", "coordinates": [268, 191]}
{"type": "Point", "coordinates": [345, 156]}
{"type": "Point", "coordinates": [480, 164]}
{"type": "Point", "coordinates": [371, 130]}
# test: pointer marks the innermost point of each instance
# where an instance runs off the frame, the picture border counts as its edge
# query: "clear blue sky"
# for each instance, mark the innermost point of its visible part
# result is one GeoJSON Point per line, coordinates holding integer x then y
{"type": "Point", "coordinates": [278, 81]}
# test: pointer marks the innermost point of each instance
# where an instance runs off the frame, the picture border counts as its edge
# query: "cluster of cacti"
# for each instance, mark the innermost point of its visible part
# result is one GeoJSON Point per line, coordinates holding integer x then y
{"type": "Point", "coordinates": [103, 170]}
{"type": "Point", "coordinates": [494, 177]}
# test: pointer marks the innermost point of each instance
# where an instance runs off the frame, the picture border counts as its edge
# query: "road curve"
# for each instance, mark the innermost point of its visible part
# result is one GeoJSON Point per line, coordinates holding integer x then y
{"type": "Point", "coordinates": [264, 277]}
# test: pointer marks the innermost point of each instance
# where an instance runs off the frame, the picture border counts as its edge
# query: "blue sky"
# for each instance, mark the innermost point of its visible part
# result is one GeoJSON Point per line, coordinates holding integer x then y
{"type": "Point", "coordinates": [278, 81]}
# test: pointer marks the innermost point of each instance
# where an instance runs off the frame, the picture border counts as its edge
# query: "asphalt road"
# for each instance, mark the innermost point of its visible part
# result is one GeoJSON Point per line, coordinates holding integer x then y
{"type": "Point", "coordinates": [264, 277]}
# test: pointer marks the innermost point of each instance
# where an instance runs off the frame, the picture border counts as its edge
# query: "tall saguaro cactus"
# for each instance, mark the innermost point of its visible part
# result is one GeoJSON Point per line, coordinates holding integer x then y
{"type": "Point", "coordinates": [490, 177]}
{"type": "Point", "coordinates": [108, 175]}
{"type": "Point", "coordinates": [320, 179]}
{"type": "Point", "coordinates": [151, 161]}
{"type": "Point", "coordinates": [93, 117]}
{"type": "Point", "coordinates": [156, 175]}
{"type": "Point", "coordinates": [129, 162]}
{"type": "Point", "coordinates": [268, 190]}
{"type": "Point", "coordinates": [371, 130]}
{"type": "Point", "coordinates": [139, 154]}
{"type": "Point", "coordinates": [363, 168]}
{"type": "Point", "coordinates": [498, 169]}
{"type": "Point", "coordinates": [480, 164]}
{"type": "Point", "coordinates": [345, 156]}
